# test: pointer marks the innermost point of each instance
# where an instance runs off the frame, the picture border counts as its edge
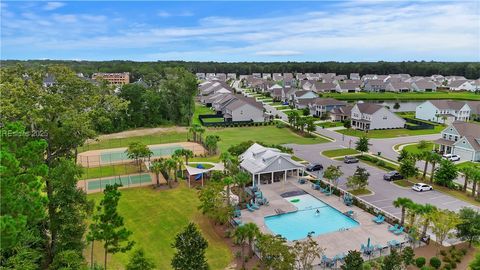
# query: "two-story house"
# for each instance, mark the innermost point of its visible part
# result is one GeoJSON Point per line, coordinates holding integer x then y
{"type": "Point", "coordinates": [443, 111]}
{"type": "Point", "coordinates": [300, 96]}
{"type": "Point", "coordinates": [243, 109]}
{"type": "Point", "coordinates": [320, 106]}
{"type": "Point", "coordinates": [374, 86]}
{"type": "Point", "coordinates": [462, 139]}
{"type": "Point", "coordinates": [368, 116]}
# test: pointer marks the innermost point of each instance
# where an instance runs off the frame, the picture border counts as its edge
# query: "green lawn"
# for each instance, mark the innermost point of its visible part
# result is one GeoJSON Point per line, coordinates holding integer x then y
{"type": "Point", "coordinates": [404, 96]}
{"type": "Point", "coordinates": [266, 134]}
{"type": "Point", "coordinates": [213, 120]}
{"type": "Point", "coordinates": [155, 217]}
{"type": "Point", "coordinates": [468, 164]}
{"type": "Point", "coordinates": [340, 152]}
{"type": "Point", "coordinates": [403, 183]}
{"type": "Point", "coordinates": [200, 109]}
{"type": "Point", "coordinates": [391, 133]}
{"type": "Point", "coordinates": [229, 136]}
{"type": "Point", "coordinates": [283, 107]}
{"type": "Point", "coordinates": [330, 124]}
{"type": "Point", "coordinates": [360, 192]}
{"type": "Point", "coordinates": [106, 171]}
{"type": "Point", "coordinates": [413, 149]}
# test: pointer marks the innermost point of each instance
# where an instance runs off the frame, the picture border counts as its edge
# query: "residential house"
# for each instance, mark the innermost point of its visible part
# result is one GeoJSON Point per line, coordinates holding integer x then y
{"type": "Point", "coordinates": [221, 77]}
{"type": "Point", "coordinates": [443, 111]}
{"type": "Point", "coordinates": [329, 87]}
{"type": "Point", "coordinates": [200, 75]}
{"type": "Point", "coordinates": [266, 76]}
{"type": "Point", "coordinates": [49, 80]}
{"type": "Point", "coordinates": [301, 98]}
{"type": "Point", "coordinates": [277, 77]}
{"type": "Point", "coordinates": [369, 116]}
{"type": "Point", "coordinates": [348, 87]}
{"type": "Point", "coordinates": [243, 109]}
{"type": "Point", "coordinates": [289, 80]}
{"type": "Point", "coordinates": [341, 113]}
{"type": "Point", "coordinates": [300, 76]}
{"type": "Point", "coordinates": [257, 75]}
{"type": "Point", "coordinates": [320, 106]}
{"type": "Point", "coordinates": [424, 86]}
{"type": "Point", "coordinates": [459, 85]}
{"type": "Point", "coordinates": [232, 76]}
{"type": "Point", "coordinates": [268, 165]}
{"type": "Point", "coordinates": [462, 139]}
{"type": "Point", "coordinates": [354, 76]}
{"type": "Point", "coordinates": [474, 110]}
{"type": "Point", "coordinates": [398, 87]}
{"type": "Point", "coordinates": [313, 76]}
{"type": "Point", "coordinates": [374, 86]}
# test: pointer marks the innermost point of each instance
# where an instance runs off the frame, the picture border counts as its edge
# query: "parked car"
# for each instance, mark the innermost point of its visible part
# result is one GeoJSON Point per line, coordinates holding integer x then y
{"type": "Point", "coordinates": [421, 187]}
{"type": "Point", "coordinates": [454, 158]}
{"type": "Point", "coordinates": [314, 167]}
{"type": "Point", "coordinates": [393, 175]}
{"type": "Point", "coordinates": [350, 159]}
{"type": "Point", "coordinates": [447, 156]}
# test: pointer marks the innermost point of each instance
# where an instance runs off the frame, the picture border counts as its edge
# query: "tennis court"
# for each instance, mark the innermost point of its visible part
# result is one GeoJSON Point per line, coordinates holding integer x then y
{"type": "Point", "coordinates": [97, 158]}
{"type": "Point", "coordinates": [158, 151]}
{"type": "Point", "coordinates": [125, 181]}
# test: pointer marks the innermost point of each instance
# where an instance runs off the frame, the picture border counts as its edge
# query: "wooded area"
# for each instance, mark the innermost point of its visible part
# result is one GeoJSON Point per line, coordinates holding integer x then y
{"type": "Point", "coordinates": [470, 70]}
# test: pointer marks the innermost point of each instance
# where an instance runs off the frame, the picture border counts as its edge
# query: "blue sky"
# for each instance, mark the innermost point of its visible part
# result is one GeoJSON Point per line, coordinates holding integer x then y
{"type": "Point", "coordinates": [242, 31]}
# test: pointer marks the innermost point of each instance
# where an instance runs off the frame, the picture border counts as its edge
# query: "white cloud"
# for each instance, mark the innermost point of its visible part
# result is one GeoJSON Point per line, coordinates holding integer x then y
{"type": "Point", "coordinates": [278, 53]}
{"type": "Point", "coordinates": [163, 14]}
{"type": "Point", "coordinates": [53, 5]}
{"type": "Point", "coordinates": [354, 31]}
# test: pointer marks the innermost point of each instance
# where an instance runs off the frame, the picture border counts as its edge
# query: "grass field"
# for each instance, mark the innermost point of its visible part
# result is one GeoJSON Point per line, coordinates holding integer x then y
{"type": "Point", "coordinates": [413, 148]}
{"type": "Point", "coordinates": [390, 133]}
{"type": "Point", "coordinates": [155, 217]}
{"type": "Point", "coordinates": [213, 120]}
{"type": "Point", "coordinates": [468, 164]}
{"type": "Point", "coordinates": [403, 183]}
{"type": "Point", "coordinates": [283, 107]}
{"type": "Point", "coordinates": [404, 96]}
{"type": "Point", "coordinates": [200, 109]}
{"type": "Point", "coordinates": [360, 192]}
{"type": "Point", "coordinates": [330, 124]}
{"type": "Point", "coordinates": [229, 136]}
{"type": "Point", "coordinates": [111, 170]}
{"type": "Point", "coordinates": [340, 152]}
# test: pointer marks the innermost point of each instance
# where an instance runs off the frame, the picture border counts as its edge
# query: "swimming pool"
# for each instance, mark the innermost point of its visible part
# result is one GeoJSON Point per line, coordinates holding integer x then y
{"type": "Point", "coordinates": [297, 225]}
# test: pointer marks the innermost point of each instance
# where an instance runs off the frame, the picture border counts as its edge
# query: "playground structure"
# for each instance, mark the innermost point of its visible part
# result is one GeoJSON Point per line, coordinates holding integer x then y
{"type": "Point", "coordinates": [199, 172]}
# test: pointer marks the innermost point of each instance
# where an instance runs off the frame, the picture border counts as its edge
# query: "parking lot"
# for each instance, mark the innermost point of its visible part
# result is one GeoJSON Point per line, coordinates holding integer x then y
{"type": "Point", "coordinates": [384, 192]}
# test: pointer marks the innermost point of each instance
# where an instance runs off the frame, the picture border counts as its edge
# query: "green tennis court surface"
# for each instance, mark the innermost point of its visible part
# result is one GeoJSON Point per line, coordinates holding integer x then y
{"type": "Point", "coordinates": [123, 180]}
{"type": "Point", "coordinates": [158, 151]}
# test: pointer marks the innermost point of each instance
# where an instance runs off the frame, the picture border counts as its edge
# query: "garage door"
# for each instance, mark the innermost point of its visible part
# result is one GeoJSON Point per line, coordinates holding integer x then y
{"type": "Point", "coordinates": [464, 154]}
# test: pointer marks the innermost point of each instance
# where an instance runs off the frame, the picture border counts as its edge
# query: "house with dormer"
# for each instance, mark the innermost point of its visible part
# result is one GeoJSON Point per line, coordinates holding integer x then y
{"type": "Point", "coordinates": [443, 111]}
{"type": "Point", "coordinates": [369, 116]}
{"type": "Point", "coordinates": [462, 139]}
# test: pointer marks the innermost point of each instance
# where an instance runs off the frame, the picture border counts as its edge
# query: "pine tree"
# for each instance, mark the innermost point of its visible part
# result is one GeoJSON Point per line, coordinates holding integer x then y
{"type": "Point", "coordinates": [190, 246]}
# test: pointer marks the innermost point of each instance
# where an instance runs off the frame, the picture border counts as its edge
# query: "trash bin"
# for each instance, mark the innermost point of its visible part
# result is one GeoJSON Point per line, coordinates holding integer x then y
{"type": "Point", "coordinates": [379, 153]}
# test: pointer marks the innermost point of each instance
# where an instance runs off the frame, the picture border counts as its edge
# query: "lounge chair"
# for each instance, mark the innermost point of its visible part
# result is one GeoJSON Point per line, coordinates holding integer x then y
{"type": "Point", "coordinates": [254, 205]}
{"type": "Point", "coordinates": [376, 218]}
{"type": "Point", "coordinates": [399, 231]}
{"type": "Point", "coordinates": [301, 181]}
{"type": "Point", "coordinates": [393, 228]}
{"type": "Point", "coordinates": [315, 186]}
{"type": "Point", "coordinates": [380, 219]}
{"type": "Point", "coordinates": [238, 221]}
{"type": "Point", "coordinates": [328, 193]}
{"type": "Point", "coordinates": [250, 208]}
{"type": "Point", "coordinates": [237, 213]}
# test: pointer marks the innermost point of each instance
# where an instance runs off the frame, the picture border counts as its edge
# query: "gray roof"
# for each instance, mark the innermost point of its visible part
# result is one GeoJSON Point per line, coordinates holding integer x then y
{"type": "Point", "coordinates": [257, 158]}
{"type": "Point", "coordinates": [368, 108]}
{"type": "Point", "coordinates": [457, 83]}
{"type": "Point", "coordinates": [470, 131]}
{"type": "Point", "coordinates": [474, 106]}
{"type": "Point", "coordinates": [328, 101]}
{"type": "Point", "coordinates": [448, 104]}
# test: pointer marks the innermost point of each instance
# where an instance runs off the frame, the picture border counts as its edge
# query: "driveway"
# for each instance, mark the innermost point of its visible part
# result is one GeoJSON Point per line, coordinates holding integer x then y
{"type": "Point", "coordinates": [384, 192]}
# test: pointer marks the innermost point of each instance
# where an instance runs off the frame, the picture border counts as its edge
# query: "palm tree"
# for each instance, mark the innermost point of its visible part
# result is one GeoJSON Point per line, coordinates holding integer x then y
{"type": "Point", "coordinates": [425, 212]}
{"type": "Point", "coordinates": [241, 179]}
{"type": "Point", "coordinates": [157, 167]}
{"type": "Point", "coordinates": [467, 175]}
{"type": "Point", "coordinates": [403, 203]}
{"type": "Point", "coordinates": [178, 165]}
{"type": "Point", "coordinates": [228, 181]}
{"type": "Point", "coordinates": [444, 118]}
{"type": "Point", "coordinates": [413, 209]}
{"type": "Point", "coordinates": [200, 131]}
{"type": "Point", "coordinates": [434, 159]}
{"type": "Point", "coordinates": [187, 153]}
{"type": "Point", "coordinates": [170, 165]}
{"type": "Point", "coordinates": [425, 156]}
{"type": "Point", "coordinates": [226, 158]}
{"type": "Point", "coordinates": [240, 237]}
{"type": "Point", "coordinates": [252, 231]}
{"type": "Point", "coordinates": [194, 130]}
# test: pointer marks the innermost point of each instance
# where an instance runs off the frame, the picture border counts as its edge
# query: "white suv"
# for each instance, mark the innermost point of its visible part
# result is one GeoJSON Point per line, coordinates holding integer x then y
{"type": "Point", "coordinates": [454, 158]}
{"type": "Point", "coordinates": [421, 187]}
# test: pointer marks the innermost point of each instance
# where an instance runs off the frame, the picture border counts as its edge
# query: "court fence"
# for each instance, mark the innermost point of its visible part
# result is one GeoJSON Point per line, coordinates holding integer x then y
{"type": "Point", "coordinates": [126, 181]}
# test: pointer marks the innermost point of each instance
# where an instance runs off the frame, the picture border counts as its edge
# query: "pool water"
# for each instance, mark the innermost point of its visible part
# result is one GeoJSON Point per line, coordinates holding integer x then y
{"type": "Point", "coordinates": [297, 225]}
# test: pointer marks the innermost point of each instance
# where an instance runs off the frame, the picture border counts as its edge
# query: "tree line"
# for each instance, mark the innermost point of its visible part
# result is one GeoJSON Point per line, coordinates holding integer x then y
{"type": "Point", "coordinates": [470, 70]}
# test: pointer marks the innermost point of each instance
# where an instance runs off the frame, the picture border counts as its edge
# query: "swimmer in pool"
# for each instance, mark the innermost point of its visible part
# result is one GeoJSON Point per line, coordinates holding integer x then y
{"type": "Point", "coordinates": [317, 212]}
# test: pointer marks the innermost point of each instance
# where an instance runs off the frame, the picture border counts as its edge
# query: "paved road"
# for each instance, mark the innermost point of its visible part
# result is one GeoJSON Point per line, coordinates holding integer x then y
{"type": "Point", "coordinates": [384, 192]}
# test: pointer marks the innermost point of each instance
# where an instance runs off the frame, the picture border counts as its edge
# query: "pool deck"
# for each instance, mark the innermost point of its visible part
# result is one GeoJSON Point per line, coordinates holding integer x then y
{"type": "Point", "coordinates": [335, 242]}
